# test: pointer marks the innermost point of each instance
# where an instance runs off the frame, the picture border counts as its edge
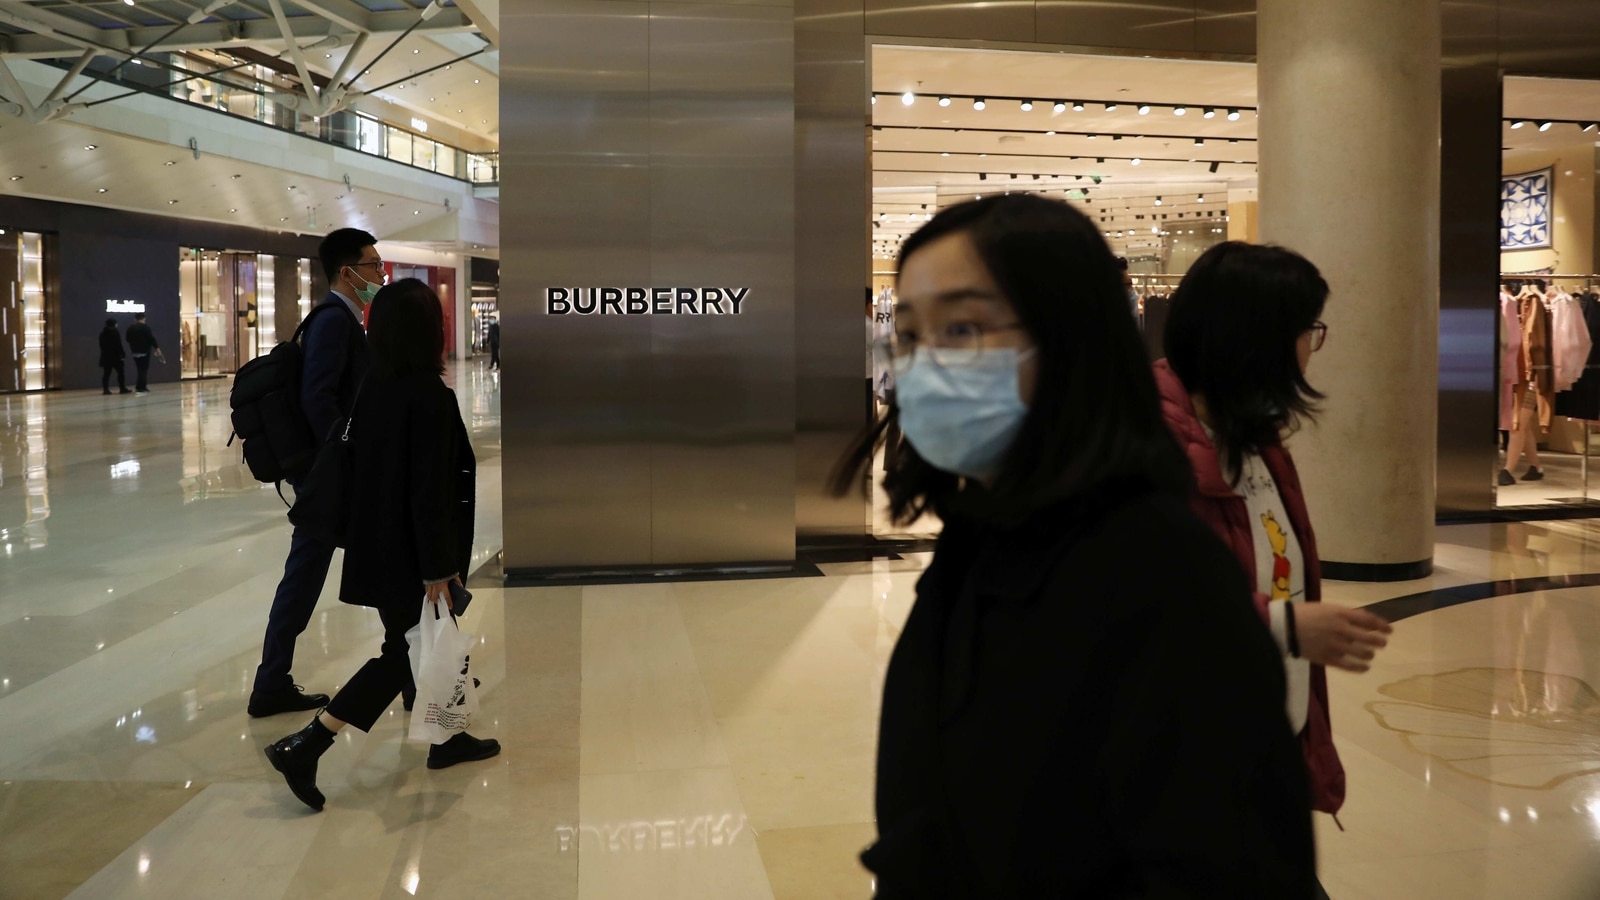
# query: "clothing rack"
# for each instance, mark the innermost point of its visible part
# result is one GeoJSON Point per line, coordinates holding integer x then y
{"type": "Point", "coordinates": [1588, 284]}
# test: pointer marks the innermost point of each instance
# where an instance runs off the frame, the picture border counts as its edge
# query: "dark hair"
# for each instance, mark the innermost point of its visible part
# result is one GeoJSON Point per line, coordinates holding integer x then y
{"type": "Point", "coordinates": [111, 323]}
{"type": "Point", "coordinates": [343, 248]}
{"type": "Point", "coordinates": [138, 317]}
{"type": "Point", "coordinates": [1122, 263]}
{"type": "Point", "coordinates": [1231, 332]}
{"type": "Point", "coordinates": [1095, 415]}
{"type": "Point", "coordinates": [406, 329]}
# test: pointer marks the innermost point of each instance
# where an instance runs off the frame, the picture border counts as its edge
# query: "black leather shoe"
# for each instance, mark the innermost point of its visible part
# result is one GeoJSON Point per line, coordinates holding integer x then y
{"type": "Point", "coordinates": [292, 699]}
{"type": "Point", "coordinates": [1506, 478]}
{"type": "Point", "coordinates": [296, 758]}
{"type": "Point", "coordinates": [1534, 473]}
{"type": "Point", "coordinates": [461, 748]}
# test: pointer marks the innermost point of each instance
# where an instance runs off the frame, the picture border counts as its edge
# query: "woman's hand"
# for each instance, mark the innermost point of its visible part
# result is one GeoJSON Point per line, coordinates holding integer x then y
{"type": "Point", "coordinates": [441, 591]}
{"type": "Point", "coordinates": [1339, 637]}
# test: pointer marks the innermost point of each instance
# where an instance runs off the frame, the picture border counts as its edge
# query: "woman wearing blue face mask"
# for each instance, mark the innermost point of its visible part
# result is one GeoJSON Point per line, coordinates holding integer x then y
{"type": "Point", "coordinates": [1082, 702]}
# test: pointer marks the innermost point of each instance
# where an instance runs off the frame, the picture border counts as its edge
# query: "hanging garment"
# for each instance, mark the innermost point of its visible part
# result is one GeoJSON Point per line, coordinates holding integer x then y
{"type": "Point", "coordinates": [1536, 353]}
{"type": "Point", "coordinates": [1511, 361]}
{"type": "Point", "coordinates": [1570, 341]}
{"type": "Point", "coordinates": [1583, 400]}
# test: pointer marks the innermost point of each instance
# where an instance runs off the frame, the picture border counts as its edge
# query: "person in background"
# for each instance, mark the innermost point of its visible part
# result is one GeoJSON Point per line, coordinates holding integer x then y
{"type": "Point", "coordinates": [412, 501]}
{"type": "Point", "coordinates": [336, 360]}
{"type": "Point", "coordinates": [1128, 288]}
{"type": "Point", "coordinates": [1082, 702]}
{"type": "Point", "coordinates": [142, 343]}
{"type": "Point", "coordinates": [494, 343]}
{"type": "Point", "coordinates": [1242, 328]}
{"type": "Point", "coordinates": [111, 359]}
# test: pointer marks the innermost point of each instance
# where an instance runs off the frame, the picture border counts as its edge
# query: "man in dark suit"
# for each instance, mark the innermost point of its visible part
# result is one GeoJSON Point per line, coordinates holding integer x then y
{"type": "Point", "coordinates": [142, 343]}
{"type": "Point", "coordinates": [335, 362]}
{"type": "Point", "coordinates": [111, 357]}
{"type": "Point", "coordinates": [494, 343]}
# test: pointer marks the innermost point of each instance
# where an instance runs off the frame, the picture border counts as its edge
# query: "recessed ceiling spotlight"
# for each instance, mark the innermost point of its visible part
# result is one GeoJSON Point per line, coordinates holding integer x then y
{"type": "Point", "coordinates": [430, 99]}
{"type": "Point", "coordinates": [416, 51]}
{"type": "Point", "coordinates": [283, 218]}
{"type": "Point", "coordinates": [170, 162]}
{"type": "Point", "coordinates": [1180, 110]}
{"type": "Point", "coordinates": [100, 190]}
{"type": "Point", "coordinates": [416, 212]}
{"type": "Point", "coordinates": [236, 177]}
{"type": "Point", "coordinates": [16, 178]}
{"type": "Point", "coordinates": [1027, 106]}
{"type": "Point", "coordinates": [91, 146]}
{"type": "Point", "coordinates": [171, 202]}
{"type": "Point", "coordinates": [908, 98]}
{"type": "Point", "coordinates": [944, 154]}
{"type": "Point", "coordinates": [328, 55]}
{"type": "Point", "coordinates": [233, 210]}
{"type": "Point", "coordinates": [1144, 109]}
{"type": "Point", "coordinates": [474, 81]}
{"type": "Point", "coordinates": [293, 186]}
{"type": "Point", "coordinates": [381, 205]}
{"type": "Point", "coordinates": [1233, 115]}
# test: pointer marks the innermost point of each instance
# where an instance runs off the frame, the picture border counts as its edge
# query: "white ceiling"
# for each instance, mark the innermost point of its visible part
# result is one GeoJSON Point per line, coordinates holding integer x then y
{"type": "Point", "coordinates": [926, 156]}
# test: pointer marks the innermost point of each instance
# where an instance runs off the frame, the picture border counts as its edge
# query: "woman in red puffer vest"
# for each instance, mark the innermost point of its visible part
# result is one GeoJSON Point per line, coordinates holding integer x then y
{"type": "Point", "coordinates": [1240, 332]}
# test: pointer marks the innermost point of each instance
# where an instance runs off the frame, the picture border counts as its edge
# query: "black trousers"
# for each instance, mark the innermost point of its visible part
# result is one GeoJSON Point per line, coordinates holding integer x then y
{"type": "Point", "coordinates": [303, 575]}
{"type": "Point", "coordinates": [141, 364]}
{"type": "Point", "coordinates": [105, 377]}
{"type": "Point", "coordinates": [494, 356]}
{"type": "Point", "coordinates": [375, 685]}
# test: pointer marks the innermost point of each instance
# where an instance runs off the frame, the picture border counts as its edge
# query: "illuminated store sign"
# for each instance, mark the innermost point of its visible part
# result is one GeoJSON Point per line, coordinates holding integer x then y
{"type": "Point", "coordinates": [638, 301]}
{"type": "Point", "coordinates": [124, 306]}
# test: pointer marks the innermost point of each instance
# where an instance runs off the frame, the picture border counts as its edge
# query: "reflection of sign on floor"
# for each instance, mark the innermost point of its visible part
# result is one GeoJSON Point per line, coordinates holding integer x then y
{"type": "Point", "coordinates": [699, 833]}
{"type": "Point", "coordinates": [1513, 727]}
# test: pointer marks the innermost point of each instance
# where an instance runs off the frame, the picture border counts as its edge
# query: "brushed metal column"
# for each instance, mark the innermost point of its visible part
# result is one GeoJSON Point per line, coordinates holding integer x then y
{"type": "Point", "coordinates": [833, 195]}
{"type": "Point", "coordinates": [1469, 257]}
{"type": "Point", "coordinates": [647, 144]}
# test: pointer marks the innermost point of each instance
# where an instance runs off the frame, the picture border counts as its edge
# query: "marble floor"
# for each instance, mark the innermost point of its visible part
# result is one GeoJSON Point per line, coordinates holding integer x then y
{"type": "Point", "coordinates": [705, 740]}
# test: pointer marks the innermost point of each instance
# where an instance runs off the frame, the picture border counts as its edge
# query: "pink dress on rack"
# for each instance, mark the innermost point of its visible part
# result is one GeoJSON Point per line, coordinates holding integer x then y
{"type": "Point", "coordinates": [1510, 360]}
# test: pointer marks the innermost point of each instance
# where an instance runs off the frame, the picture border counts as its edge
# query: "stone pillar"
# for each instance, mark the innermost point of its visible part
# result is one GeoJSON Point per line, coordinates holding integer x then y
{"type": "Point", "coordinates": [1349, 99]}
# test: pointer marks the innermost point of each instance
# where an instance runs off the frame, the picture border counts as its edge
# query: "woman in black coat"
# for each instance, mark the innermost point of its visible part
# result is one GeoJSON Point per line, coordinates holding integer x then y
{"type": "Point", "coordinates": [411, 521]}
{"type": "Point", "coordinates": [111, 358]}
{"type": "Point", "coordinates": [1083, 702]}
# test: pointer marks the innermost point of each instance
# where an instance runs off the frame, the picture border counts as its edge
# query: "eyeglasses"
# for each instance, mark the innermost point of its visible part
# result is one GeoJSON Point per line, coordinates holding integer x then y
{"type": "Point", "coordinates": [1319, 335]}
{"type": "Point", "coordinates": [955, 345]}
{"type": "Point", "coordinates": [370, 262]}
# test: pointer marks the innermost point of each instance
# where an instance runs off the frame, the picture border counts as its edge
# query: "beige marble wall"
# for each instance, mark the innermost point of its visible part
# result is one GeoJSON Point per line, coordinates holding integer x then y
{"type": "Point", "coordinates": [1350, 177]}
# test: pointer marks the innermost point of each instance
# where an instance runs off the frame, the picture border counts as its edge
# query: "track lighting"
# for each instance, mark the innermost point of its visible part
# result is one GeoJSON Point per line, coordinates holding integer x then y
{"type": "Point", "coordinates": [983, 176]}
{"type": "Point", "coordinates": [1590, 126]}
{"type": "Point", "coordinates": [1214, 167]}
{"type": "Point", "coordinates": [1158, 201]}
{"type": "Point", "coordinates": [1111, 107]}
{"type": "Point", "coordinates": [977, 103]}
{"type": "Point", "coordinates": [1199, 142]}
{"type": "Point", "coordinates": [1209, 113]}
{"type": "Point", "coordinates": [1233, 115]}
{"type": "Point", "coordinates": [1180, 110]}
{"type": "Point", "coordinates": [1144, 109]}
{"type": "Point", "coordinates": [1200, 199]}
{"type": "Point", "coordinates": [874, 100]}
{"type": "Point", "coordinates": [908, 98]}
{"type": "Point", "coordinates": [1517, 124]}
{"type": "Point", "coordinates": [1061, 106]}
{"type": "Point", "coordinates": [1027, 106]}
{"type": "Point", "coordinates": [944, 101]}
{"type": "Point", "coordinates": [1545, 126]}
{"type": "Point", "coordinates": [1135, 161]}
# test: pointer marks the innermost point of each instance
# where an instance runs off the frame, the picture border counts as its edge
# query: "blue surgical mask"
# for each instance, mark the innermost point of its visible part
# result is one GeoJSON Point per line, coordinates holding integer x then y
{"type": "Point", "coordinates": [962, 415]}
{"type": "Point", "coordinates": [367, 291]}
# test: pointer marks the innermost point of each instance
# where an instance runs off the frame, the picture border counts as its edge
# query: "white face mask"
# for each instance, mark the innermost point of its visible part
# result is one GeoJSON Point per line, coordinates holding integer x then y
{"type": "Point", "coordinates": [962, 418]}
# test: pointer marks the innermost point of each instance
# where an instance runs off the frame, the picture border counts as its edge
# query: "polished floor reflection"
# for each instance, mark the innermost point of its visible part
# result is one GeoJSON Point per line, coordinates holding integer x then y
{"type": "Point", "coordinates": [705, 740]}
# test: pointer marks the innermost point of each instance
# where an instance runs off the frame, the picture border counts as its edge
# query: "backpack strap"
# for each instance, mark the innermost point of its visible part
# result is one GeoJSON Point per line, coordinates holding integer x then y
{"type": "Point", "coordinates": [306, 322]}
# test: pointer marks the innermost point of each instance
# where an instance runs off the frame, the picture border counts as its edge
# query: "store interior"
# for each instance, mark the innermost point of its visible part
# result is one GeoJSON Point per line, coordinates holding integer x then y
{"type": "Point", "coordinates": [1162, 154]}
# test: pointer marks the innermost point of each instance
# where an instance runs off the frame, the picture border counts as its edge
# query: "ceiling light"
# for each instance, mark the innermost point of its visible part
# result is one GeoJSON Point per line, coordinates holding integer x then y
{"type": "Point", "coordinates": [1135, 161]}
{"type": "Point", "coordinates": [1209, 113]}
{"type": "Point", "coordinates": [430, 99]}
{"type": "Point", "coordinates": [1111, 107]}
{"type": "Point", "coordinates": [944, 101]}
{"type": "Point", "coordinates": [1180, 110]}
{"type": "Point", "coordinates": [1518, 124]}
{"type": "Point", "coordinates": [1027, 106]}
{"type": "Point", "coordinates": [977, 103]}
{"type": "Point", "coordinates": [293, 186]}
{"type": "Point", "coordinates": [91, 146]}
{"type": "Point", "coordinates": [874, 100]}
{"type": "Point", "coordinates": [908, 98]}
{"type": "Point", "coordinates": [1049, 134]}
{"type": "Point", "coordinates": [1060, 106]}
{"type": "Point", "coordinates": [170, 202]}
{"type": "Point", "coordinates": [1590, 126]}
{"type": "Point", "coordinates": [128, 2]}
{"type": "Point", "coordinates": [382, 205]}
{"type": "Point", "coordinates": [944, 154]}
{"type": "Point", "coordinates": [328, 55]}
{"type": "Point", "coordinates": [283, 218]}
{"type": "Point", "coordinates": [1233, 115]}
{"type": "Point", "coordinates": [413, 51]}
{"type": "Point", "coordinates": [234, 210]}
{"type": "Point", "coordinates": [99, 190]}
{"type": "Point", "coordinates": [983, 176]}
{"type": "Point", "coordinates": [1200, 199]}
{"type": "Point", "coordinates": [170, 162]}
{"type": "Point", "coordinates": [416, 212]}
{"type": "Point", "coordinates": [1545, 126]}
{"type": "Point", "coordinates": [1214, 166]}
{"type": "Point", "coordinates": [1158, 201]}
{"type": "Point", "coordinates": [1144, 109]}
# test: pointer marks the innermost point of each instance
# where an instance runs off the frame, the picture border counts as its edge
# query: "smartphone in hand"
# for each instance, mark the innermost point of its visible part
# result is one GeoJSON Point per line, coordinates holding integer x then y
{"type": "Point", "coordinates": [459, 597]}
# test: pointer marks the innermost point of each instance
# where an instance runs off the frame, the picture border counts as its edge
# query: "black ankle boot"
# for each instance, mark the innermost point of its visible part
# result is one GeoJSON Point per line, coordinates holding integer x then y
{"type": "Point", "coordinates": [296, 757]}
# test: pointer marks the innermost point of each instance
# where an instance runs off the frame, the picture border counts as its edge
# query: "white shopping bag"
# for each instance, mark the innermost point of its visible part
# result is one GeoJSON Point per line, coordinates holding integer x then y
{"type": "Point", "coordinates": [440, 656]}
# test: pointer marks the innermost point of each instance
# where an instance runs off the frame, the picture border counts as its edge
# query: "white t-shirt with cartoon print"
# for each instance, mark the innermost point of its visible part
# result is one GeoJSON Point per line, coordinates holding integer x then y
{"type": "Point", "coordinates": [1280, 572]}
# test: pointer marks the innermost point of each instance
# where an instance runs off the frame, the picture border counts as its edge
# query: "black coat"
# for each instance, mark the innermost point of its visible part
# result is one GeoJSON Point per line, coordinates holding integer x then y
{"type": "Point", "coordinates": [141, 340]}
{"type": "Point", "coordinates": [111, 353]}
{"type": "Point", "coordinates": [1088, 706]}
{"type": "Point", "coordinates": [412, 494]}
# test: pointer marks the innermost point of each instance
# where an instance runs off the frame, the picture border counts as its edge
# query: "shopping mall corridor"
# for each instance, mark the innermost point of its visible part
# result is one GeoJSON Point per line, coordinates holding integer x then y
{"type": "Point", "coordinates": [683, 740]}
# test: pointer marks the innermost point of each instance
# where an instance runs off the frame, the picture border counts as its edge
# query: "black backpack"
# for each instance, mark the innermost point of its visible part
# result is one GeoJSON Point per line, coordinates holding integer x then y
{"type": "Point", "coordinates": [267, 417]}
